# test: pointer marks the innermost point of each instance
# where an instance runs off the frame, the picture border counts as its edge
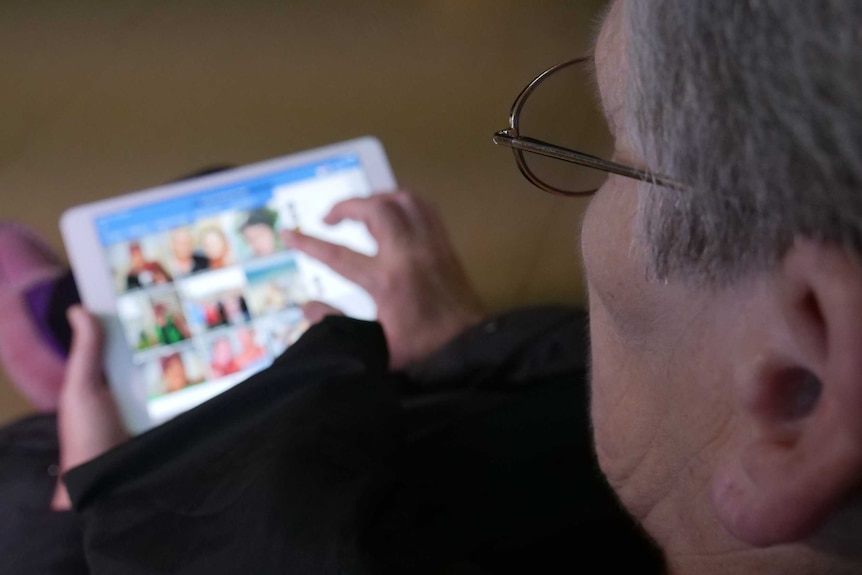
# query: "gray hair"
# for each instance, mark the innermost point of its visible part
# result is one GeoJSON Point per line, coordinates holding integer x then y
{"type": "Point", "coordinates": [757, 105]}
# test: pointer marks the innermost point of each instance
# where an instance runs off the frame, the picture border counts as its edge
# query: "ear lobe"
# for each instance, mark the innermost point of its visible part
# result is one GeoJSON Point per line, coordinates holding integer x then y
{"type": "Point", "coordinates": [799, 452]}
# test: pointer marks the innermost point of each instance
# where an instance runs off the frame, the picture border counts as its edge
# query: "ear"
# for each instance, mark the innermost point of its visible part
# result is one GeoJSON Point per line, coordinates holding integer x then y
{"type": "Point", "coordinates": [799, 452]}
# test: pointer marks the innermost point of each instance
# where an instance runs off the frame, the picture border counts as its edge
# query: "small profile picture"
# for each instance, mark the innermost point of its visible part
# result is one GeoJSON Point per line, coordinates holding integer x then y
{"type": "Point", "coordinates": [223, 360]}
{"type": "Point", "coordinates": [234, 309]}
{"type": "Point", "coordinates": [215, 299]}
{"type": "Point", "coordinates": [171, 325]}
{"type": "Point", "coordinates": [174, 372]}
{"type": "Point", "coordinates": [240, 349]}
{"type": "Point", "coordinates": [139, 263]}
{"type": "Point", "coordinates": [275, 287]}
{"type": "Point", "coordinates": [180, 371]}
{"type": "Point", "coordinates": [227, 309]}
{"type": "Point", "coordinates": [186, 257]}
{"type": "Point", "coordinates": [251, 348]}
{"type": "Point", "coordinates": [213, 243]}
{"type": "Point", "coordinates": [151, 320]}
{"type": "Point", "coordinates": [258, 231]}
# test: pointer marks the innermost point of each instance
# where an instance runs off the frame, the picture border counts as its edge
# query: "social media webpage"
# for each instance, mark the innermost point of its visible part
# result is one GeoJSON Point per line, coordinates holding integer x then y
{"type": "Point", "coordinates": [207, 292]}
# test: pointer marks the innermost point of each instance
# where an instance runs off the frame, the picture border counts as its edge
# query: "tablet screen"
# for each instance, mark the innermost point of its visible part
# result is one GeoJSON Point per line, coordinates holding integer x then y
{"type": "Point", "coordinates": [208, 295]}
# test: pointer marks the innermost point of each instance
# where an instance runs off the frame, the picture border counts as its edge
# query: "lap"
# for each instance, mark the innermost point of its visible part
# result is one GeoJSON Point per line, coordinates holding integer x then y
{"type": "Point", "coordinates": [33, 538]}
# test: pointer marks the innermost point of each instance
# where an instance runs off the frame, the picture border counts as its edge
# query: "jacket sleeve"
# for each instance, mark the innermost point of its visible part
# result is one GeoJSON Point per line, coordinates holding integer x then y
{"type": "Point", "coordinates": [264, 478]}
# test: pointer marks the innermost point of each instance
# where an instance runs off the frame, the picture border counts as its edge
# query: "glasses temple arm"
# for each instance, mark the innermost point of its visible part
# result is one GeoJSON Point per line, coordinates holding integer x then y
{"type": "Point", "coordinates": [541, 148]}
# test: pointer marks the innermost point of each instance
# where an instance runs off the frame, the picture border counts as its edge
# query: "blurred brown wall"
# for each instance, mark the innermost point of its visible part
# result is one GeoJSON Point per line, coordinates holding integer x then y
{"type": "Point", "coordinates": [100, 97]}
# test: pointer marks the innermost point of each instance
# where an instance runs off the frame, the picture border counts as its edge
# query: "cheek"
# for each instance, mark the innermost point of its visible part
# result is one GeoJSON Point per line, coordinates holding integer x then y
{"type": "Point", "coordinates": [628, 392]}
{"type": "Point", "coordinates": [627, 400]}
{"type": "Point", "coordinates": [265, 241]}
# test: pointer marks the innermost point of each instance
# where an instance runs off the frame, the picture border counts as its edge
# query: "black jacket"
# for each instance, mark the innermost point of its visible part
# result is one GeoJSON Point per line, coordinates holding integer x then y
{"type": "Point", "coordinates": [479, 460]}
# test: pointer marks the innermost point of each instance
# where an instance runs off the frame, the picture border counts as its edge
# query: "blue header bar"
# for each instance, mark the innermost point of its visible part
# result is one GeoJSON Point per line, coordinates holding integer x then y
{"type": "Point", "coordinates": [166, 215]}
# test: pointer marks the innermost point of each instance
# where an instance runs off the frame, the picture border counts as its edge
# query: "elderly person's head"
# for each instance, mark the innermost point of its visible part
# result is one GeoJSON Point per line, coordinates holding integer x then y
{"type": "Point", "coordinates": [726, 318]}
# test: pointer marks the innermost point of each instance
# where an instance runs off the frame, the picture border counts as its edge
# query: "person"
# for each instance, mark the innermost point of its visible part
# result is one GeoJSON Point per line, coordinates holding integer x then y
{"type": "Point", "coordinates": [440, 439]}
{"type": "Point", "coordinates": [214, 313]}
{"type": "Point", "coordinates": [143, 272]}
{"type": "Point", "coordinates": [250, 351]}
{"type": "Point", "coordinates": [235, 309]}
{"type": "Point", "coordinates": [724, 312]}
{"type": "Point", "coordinates": [186, 260]}
{"type": "Point", "coordinates": [223, 362]}
{"type": "Point", "coordinates": [216, 248]}
{"type": "Point", "coordinates": [170, 327]}
{"type": "Point", "coordinates": [726, 386]}
{"type": "Point", "coordinates": [174, 373]}
{"type": "Point", "coordinates": [259, 234]}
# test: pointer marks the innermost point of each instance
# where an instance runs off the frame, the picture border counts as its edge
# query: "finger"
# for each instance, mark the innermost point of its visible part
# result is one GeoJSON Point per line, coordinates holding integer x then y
{"type": "Point", "coordinates": [88, 420]}
{"type": "Point", "coordinates": [352, 265]}
{"type": "Point", "coordinates": [381, 214]}
{"type": "Point", "coordinates": [84, 368]}
{"type": "Point", "coordinates": [316, 311]}
{"type": "Point", "coordinates": [425, 218]}
{"type": "Point", "coordinates": [431, 235]}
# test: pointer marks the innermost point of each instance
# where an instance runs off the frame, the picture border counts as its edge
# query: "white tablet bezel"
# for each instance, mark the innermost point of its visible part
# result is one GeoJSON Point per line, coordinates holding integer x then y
{"type": "Point", "coordinates": [93, 277]}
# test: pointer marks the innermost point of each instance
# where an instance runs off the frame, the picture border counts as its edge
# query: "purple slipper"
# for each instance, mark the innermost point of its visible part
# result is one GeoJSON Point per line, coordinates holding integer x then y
{"type": "Point", "coordinates": [27, 263]}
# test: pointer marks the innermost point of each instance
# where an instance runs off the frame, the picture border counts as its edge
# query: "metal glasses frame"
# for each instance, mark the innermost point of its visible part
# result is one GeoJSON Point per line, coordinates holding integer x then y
{"type": "Point", "coordinates": [511, 138]}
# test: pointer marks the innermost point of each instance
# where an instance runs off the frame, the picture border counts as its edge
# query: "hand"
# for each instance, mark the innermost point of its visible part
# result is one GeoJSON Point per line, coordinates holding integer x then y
{"type": "Point", "coordinates": [422, 294]}
{"type": "Point", "coordinates": [88, 421]}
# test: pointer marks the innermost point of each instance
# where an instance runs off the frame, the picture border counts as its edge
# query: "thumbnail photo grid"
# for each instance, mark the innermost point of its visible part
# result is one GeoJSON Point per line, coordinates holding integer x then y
{"type": "Point", "coordinates": [210, 300]}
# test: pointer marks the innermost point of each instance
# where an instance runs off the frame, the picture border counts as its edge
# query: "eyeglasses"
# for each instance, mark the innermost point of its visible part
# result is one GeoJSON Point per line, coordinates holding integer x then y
{"type": "Point", "coordinates": [511, 138]}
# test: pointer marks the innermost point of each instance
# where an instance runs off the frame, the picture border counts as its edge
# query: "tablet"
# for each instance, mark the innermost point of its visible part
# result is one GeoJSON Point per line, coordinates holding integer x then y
{"type": "Point", "coordinates": [192, 283]}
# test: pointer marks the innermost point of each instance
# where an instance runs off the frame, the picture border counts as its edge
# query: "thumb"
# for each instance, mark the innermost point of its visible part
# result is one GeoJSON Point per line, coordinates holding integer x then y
{"type": "Point", "coordinates": [88, 421]}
